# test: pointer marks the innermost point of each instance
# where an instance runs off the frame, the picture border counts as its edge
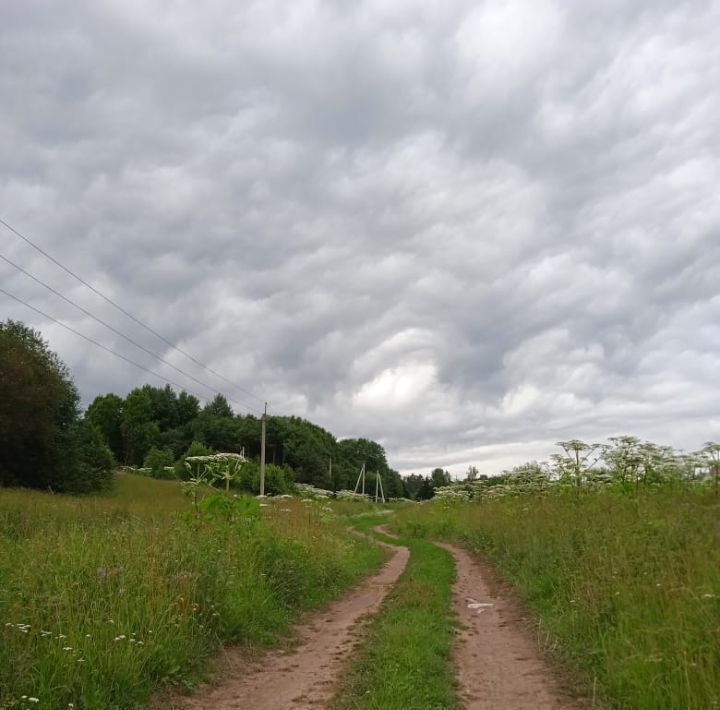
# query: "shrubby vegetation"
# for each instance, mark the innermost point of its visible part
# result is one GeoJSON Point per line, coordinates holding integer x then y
{"type": "Point", "coordinates": [158, 461]}
{"type": "Point", "coordinates": [234, 472]}
{"type": "Point", "coordinates": [624, 465]}
{"type": "Point", "coordinates": [418, 487]}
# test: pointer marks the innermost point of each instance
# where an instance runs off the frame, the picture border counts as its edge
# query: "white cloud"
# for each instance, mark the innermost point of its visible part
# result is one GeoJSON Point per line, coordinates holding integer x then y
{"type": "Point", "coordinates": [397, 389]}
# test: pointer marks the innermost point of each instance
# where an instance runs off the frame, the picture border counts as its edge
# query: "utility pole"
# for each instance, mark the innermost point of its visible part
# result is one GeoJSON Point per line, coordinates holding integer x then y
{"type": "Point", "coordinates": [361, 477]}
{"type": "Point", "coordinates": [379, 487]}
{"type": "Point", "coordinates": [330, 471]}
{"type": "Point", "coordinates": [262, 451]}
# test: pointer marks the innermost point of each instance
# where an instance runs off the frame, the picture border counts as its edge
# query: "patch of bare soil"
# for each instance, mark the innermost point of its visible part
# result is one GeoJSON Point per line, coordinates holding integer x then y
{"type": "Point", "coordinates": [383, 530]}
{"type": "Point", "coordinates": [305, 676]}
{"type": "Point", "coordinates": [499, 665]}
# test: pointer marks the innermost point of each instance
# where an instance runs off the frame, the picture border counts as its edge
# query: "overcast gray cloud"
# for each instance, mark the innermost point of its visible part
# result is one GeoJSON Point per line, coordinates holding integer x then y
{"type": "Point", "coordinates": [465, 229]}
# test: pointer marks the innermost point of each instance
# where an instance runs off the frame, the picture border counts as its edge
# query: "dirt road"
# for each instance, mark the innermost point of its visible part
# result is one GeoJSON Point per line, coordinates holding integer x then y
{"type": "Point", "coordinates": [497, 662]}
{"type": "Point", "coordinates": [306, 676]}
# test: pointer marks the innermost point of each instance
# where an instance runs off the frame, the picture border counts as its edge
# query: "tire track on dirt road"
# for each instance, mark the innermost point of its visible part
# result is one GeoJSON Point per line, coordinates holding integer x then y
{"type": "Point", "coordinates": [498, 664]}
{"type": "Point", "coordinates": [305, 676]}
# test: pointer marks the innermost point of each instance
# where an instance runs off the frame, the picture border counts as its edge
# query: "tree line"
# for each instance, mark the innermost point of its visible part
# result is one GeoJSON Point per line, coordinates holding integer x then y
{"type": "Point", "coordinates": [47, 442]}
{"type": "Point", "coordinates": [156, 424]}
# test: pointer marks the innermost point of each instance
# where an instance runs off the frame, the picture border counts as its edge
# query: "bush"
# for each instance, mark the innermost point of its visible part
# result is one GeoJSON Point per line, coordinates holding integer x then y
{"type": "Point", "coordinates": [158, 460]}
{"type": "Point", "coordinates": [95, 461]}
{"type": "Point", "coordinates": [278, 480]}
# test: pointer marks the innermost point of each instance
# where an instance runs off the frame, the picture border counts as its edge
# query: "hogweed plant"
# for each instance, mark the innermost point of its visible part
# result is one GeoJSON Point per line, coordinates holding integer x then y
{"type": "Point", "coordinates": [206, 473]}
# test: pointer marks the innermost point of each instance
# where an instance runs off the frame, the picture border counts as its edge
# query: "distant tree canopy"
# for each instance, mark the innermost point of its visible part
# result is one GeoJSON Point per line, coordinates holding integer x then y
{"type": "Point", "coordinates": [440, 477]}
{"type": "Point", "coordinates": [151, 420]}
{"type": "Point", "coordinates": [43, 441]}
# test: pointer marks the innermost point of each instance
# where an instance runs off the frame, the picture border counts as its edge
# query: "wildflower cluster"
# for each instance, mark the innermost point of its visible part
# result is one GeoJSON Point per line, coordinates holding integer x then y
{"type": "Point", "coordinates": [352, 496]}
{"type": "Point", "coordinates": [308, 492]}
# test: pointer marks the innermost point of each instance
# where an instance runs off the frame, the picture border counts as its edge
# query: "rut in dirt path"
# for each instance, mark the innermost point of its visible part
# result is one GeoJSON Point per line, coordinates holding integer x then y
{"type": "Point", "coordinates": [498, 663]}
{"type": "Point", "coordinates": [306, 676]}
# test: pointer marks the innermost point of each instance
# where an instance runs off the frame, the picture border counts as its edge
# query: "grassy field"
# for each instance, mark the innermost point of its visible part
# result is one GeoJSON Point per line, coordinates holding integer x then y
{"type": "Point", "coordinates": [103, 599]}
{"type": "Point", "coordinates": [404, 663]}
{"type": "Point", "coordinates": [626, 589]}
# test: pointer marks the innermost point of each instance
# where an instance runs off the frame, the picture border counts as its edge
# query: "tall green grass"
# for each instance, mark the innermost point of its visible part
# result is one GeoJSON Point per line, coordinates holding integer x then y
{"type": "Point", "coordinates": [103, 599]}
{"type": "Point", "coordinates": [626, 589]}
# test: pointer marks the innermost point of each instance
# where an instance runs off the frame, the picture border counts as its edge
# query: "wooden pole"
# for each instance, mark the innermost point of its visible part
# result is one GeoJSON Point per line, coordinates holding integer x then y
{"type": "Point", "coordinates": [262, 451]}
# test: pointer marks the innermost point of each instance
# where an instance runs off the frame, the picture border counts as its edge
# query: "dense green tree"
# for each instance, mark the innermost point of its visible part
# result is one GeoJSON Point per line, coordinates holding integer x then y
{"type": "Point", "coordinates": [218, 407]}
{"type": "Point", "coordinates": [43, 443]}
{"type": "Point", "coordinates": [363, 451]}
{"type": "Point", "coordinates": [186, 411]}
{"type": "Point", "coordinates": [277, 432]}
{"type": "Point", "coordinates": [219, 432]}
{"type": "Point", "coordinates": [93, 472]}
{"type": "Point", "coordinates": [163, 406]}
{"type": "Point", "coordinates": [426, 490]}
{"type": "Point", "coordinates": [307, 450]}
{"type": "Point", "coordinates": [413, 483]}
{"type": "Point", "coordinates": [188, 408]}
{"type": "Point", "coordinates": [140, 432]}
{"type": "Point", "coordinates": [440, 477]}
{"type": "Point", "coordinates": [352, 454]}
{"type": "Point", "coordinates": [393, 484]}
{"type": "Point", "coordinates": [106, 413]}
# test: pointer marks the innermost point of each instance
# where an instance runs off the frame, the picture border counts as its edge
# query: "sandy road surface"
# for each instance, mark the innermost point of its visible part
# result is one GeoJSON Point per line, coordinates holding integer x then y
{"type": "Point", "coordinates": [305, 676]}
{"type": "Point", "coordinates": [497, 662]}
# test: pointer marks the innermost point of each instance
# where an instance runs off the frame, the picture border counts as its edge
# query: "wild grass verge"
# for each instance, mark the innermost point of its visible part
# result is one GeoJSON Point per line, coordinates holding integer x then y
{"type": "Point", "coordinates": [404, 662]}
{"type": "Point", "coordinates": [625, 588]}
{"type": "Point", "coordinates": [103, 599]}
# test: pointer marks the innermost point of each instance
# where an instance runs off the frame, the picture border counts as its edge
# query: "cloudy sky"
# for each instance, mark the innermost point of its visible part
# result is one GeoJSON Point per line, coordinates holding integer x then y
{"type": "Point", "coordinates": [464, 229]}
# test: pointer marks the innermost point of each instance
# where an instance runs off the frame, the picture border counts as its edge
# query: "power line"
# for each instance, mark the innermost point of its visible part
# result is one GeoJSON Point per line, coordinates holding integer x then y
{"type": "Point", "coordinates": [120, 333]}
{"type": "Point", "coordinates": [125, 312]}
{"type": "Point", "coordinates": [99, 345]}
